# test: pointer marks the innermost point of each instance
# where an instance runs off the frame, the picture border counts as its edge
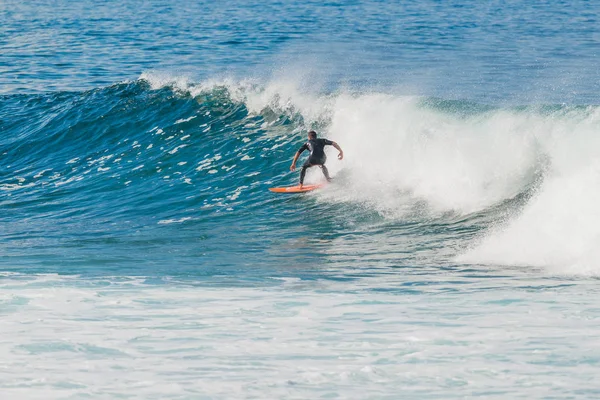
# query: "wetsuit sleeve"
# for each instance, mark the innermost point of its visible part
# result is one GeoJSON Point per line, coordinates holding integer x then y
{"type": "Point", "coordinates": [328, 142]}
{"type": "Point", "coordinates": [301, 149]}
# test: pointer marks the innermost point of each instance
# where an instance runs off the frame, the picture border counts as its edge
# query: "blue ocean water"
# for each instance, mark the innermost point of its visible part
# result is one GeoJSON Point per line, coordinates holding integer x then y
{"type": "Point", "coordinates": [453, 256]}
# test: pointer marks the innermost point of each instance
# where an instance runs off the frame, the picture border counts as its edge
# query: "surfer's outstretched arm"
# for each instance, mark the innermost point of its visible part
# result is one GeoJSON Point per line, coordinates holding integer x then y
{"type": "Point", "coordinates": [300, 150]}
{"type": "Point", "coordinates": [337, 146]}
{"type": "Point", "coordinates": [293, 166]}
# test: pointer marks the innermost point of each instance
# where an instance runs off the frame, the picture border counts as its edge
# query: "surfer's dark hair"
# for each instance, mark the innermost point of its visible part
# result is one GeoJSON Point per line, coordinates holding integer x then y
{"type": "Point", "coordinates": [312, 134]}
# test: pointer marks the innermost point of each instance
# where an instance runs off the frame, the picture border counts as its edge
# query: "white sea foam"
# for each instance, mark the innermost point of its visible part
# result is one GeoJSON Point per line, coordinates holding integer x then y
{"type": "Point", "coordinates": [182, 120]}
{"type": "Point", "coordinates": [118, 337]}
{"type": "Point", "coordinates": [560, 226]}
{"type": "Point", "coordinates": [174, 221]}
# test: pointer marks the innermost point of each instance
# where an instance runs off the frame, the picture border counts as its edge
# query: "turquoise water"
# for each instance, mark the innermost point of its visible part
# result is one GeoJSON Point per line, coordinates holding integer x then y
{"type": "Point", "coordinates": [454, 255]}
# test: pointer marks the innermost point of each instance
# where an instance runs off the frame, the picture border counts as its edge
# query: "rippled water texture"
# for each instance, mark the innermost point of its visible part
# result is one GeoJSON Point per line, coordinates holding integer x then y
{"type": "Point", "coordinates": [453, 256]}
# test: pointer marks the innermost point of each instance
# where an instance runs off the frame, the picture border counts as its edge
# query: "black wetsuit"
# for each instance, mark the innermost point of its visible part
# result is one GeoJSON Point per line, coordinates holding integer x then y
{"type": "Point", "coordinates": [317, 156]}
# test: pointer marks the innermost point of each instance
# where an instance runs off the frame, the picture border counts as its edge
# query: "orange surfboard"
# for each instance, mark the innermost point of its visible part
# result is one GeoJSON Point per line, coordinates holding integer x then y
{"type": "Point", "coordinates": [296, 189]}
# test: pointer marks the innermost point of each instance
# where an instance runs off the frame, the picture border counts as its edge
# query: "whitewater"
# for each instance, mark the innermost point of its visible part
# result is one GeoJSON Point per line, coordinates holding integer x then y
{"type": "Point", "coordinates": [453, 256]}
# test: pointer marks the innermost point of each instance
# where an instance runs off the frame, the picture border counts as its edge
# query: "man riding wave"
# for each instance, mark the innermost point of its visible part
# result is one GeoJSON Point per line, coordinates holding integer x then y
{"type": "Point", "coordinates": [317, 155]}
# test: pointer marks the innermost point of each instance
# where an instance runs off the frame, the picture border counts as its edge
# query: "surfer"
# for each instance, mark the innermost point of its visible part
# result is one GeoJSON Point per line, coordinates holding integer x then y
{"type": "Point", "coordinates": [317, 155]}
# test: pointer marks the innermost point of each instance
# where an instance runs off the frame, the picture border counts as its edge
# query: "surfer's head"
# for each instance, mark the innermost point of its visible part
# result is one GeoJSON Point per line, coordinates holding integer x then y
{"type": "Point", "coordinates": [312, 135]}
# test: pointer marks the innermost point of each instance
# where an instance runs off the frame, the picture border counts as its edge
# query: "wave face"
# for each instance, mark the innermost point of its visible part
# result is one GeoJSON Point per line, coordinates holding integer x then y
{"type": "Point", "coordinates": [169, 163]}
